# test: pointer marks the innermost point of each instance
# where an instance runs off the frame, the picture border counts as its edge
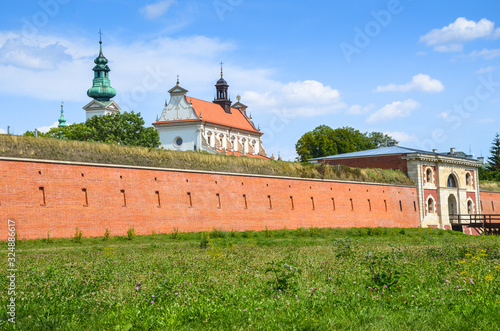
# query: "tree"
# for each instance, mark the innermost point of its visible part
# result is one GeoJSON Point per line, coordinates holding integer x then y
{"type": "Point", "coordinates": [494, 159]}
{"type": "Point", "coordinates": [123, 129]}
{"type": "Point", "coordinates": [325, 141]}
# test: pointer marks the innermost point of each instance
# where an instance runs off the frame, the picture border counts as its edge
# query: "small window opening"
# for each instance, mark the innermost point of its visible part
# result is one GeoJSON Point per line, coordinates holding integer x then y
{"type": "Point", "coordinates": [369, 205]}
{"type": "Point", "coordinates": [312, 202]}
{"type": "Point", "coordinates": [400, 205]}
{"type": "Point", "coordinates": [190, 201]}
{"type": "Point", "coordinates": [42, 191]}
{"type": "Point", "coordinates": [270, 202]}
{"type": "Point", "coordinates": [333, 203]}
{"type": "Point", "coordinates": [245, 199]}
{"type": "Point", "coordinates": [385, 205]}
{"type": "Point", "coordinates": [157, 193]}
{"type": "Point", "coordinates": [124, 198]}
{"type": "Point", "coordinates": [291, 202]}
{"type": "Point", "coordinates": [218, 201]}
{"type": "Point", "coordinates": [85, 197]}
{"type": "Point", "coordinates": [352, 204]}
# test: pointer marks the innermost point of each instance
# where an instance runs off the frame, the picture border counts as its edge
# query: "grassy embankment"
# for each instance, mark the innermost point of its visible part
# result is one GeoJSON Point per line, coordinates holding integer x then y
{"type": "Point", "coordinates": [377, 279]}
{"type": "Point", "coordinates": [53, 149]}
{"type": "Point", "coordinates": [489, 186]}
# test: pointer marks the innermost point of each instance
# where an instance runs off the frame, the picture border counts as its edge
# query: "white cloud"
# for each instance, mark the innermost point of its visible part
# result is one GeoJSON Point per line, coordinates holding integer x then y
{"type": "Point", "coordinates": [302, 99]}
{"type": "Point", "coordinates": [2, 131]}
{"type": "Point", "coordinates": [443, 115]}
{"type": "Point", "coordinates": [397, 109]}
{"type": "Point", "coordinates": [402, 137]}
{"type": "Point", "coordinates": [487, 54]}
{"type": "Point", "coordinates": [486, 70]}
{"type": "Point", "coordinates": [419, 82]}
{"type": "Point", "coordinates": [358, 109]}
{"type": "Point", "coordinates": [451, 37]}
{"type": "Point", "coordinates": [48, 127]}
{"type": "Point", "coordinates": [486, 120]}
{"type": "Point", "coordinates": [155, 10]}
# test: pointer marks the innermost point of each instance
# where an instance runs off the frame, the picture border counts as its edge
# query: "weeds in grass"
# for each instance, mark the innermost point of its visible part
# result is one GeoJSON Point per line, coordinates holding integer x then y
{"type": "Point", "coordinates": [175, 233]}
{"type": "Point", "coordinates": [284, 276]}
{"type": "Point", "coordinates": [346, 247]}
{"type": "Point", "coordinates": [385, 269]}
{"type": "Point", "coordinates": [204, 239]}
{"type": "Point", "coordinates": [48, 240]}
{"type": "Point", "coordinates": [130, 233]}
{"type": "Point", "coordinates": [78, 236]}
{"type": "Point", "coordinates": [107, 233]}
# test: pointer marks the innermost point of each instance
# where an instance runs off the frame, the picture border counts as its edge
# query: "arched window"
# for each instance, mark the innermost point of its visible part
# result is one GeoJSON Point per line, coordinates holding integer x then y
{"type": "Point", "coordinates": [468, 179]}
{"type": "Point", "coordinates": [470, 207]}
{"type": "Point", "coordinates": [428, 175]}
{"type": "Point", "coordinates": [452, 182]}
{"type": "Point", "coordinates": [430, 205]}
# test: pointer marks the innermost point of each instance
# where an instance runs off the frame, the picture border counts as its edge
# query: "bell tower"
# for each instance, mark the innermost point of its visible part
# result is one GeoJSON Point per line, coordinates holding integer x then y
{"type": "Point", "coordinates": [222, 97]}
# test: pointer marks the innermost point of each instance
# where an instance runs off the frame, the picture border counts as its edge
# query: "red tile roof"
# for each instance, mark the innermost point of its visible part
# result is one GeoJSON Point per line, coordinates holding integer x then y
{"type": "Point", "coordinates": [214, 113]}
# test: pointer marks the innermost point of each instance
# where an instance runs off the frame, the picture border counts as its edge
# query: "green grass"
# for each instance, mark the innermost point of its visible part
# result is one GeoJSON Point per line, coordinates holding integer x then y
{"type": "Point", "coordinates": [489, 186]}
{"type": "Point", "coordinates": [63, 150]}
{"type": "Point", "coordinates": [316, 279]}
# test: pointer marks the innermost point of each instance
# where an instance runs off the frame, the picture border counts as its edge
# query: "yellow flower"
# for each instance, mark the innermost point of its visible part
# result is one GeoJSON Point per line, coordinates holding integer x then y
{"type": "Point", "coordinates": [489, 277]}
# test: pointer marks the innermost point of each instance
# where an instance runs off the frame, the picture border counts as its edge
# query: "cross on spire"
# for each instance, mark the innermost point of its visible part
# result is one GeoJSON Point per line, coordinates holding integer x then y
{"type": "Point", "coordinates": [100, 36]}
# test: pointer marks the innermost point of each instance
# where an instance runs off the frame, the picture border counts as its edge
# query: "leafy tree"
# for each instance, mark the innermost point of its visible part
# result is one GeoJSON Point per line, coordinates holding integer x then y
{"type": "Point", "coordinates": [381, 140]}
{"type": "Point", "coordinates": [123, 129]}
{"type": "Point", "coordinates": [325, 141]}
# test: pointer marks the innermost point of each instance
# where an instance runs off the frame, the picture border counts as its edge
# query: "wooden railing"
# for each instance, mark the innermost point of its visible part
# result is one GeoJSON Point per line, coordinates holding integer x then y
{"type": "Point", "coordinates": [488, 223]}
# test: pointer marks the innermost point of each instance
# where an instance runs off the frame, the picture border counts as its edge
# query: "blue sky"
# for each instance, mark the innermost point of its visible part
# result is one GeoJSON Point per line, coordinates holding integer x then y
{"type": "Point", "coordinates": [425, 72]}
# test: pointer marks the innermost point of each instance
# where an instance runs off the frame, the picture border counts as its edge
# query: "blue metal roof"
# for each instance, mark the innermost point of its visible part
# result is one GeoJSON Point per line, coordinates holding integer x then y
{"type": "Point", "coordinates": [391, 150]}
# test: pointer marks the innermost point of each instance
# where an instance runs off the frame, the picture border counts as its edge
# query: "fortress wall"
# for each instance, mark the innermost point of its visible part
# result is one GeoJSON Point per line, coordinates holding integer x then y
{"type": "Point", "coordinates": [51, 196]}
{"type": "Point", "coordinates": [490, 202]}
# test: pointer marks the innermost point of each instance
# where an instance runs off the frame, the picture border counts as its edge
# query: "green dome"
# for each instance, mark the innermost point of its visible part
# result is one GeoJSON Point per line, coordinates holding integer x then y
{"type": "Point", "coordinates": [62, 120]}
{"type": "Point", "coordinates": [101, 89]}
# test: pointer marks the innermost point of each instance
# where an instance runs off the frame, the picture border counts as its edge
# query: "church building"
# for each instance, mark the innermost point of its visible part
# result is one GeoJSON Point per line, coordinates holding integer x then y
{"type": "Point", "coordinates": [189, 124]}
{"type": "Point", "coordinates": [101, 90]}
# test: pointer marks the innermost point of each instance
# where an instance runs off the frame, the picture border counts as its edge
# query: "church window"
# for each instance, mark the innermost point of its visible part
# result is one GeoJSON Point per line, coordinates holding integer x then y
{"type": "Point", "coordinates": [468, 179]}
{"type": "Point", "coordinates": [470, 207]}
{"type": "Point", "coordinates": [452, 182]}
{"type": "Point", "coordinates": [431, 206]}
{"type": "Point", "coordinates": [178, 141]}
{"type": "Point", "coordinates": [209, 142]}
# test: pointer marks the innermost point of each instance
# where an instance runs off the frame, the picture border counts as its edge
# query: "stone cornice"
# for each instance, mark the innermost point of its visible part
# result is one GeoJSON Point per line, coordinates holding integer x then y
{"type": "Point", "coordinates": [442, 159]}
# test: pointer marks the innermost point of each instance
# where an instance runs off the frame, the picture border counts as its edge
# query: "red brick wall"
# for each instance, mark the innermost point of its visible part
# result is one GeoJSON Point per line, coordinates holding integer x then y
{"type": "Point", "coordinates": [395, 162]}
{"type": "Point", "coordinates": [490, 202]}
{"type": "Point", "coordinates": [21, 199]}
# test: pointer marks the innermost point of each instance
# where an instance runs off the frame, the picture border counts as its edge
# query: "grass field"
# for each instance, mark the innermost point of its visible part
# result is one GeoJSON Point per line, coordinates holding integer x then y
{"type": "Point", "coordinates": [305, 279]}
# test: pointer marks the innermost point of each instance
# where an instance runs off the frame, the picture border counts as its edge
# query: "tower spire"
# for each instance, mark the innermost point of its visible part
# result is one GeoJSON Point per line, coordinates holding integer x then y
{"type": "Point", "coordinates": [101, 89]}
{"type": "Point", "coordinates": [62, 120]}
{"type": "Point", "coordinates": [222, 98]}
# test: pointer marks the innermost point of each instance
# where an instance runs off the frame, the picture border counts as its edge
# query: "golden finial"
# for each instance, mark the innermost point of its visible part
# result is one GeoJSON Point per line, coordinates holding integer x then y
{"type": "Point", "coordinates": [238, 97]}
{"type": "Point", "coordinates": [221, 73]}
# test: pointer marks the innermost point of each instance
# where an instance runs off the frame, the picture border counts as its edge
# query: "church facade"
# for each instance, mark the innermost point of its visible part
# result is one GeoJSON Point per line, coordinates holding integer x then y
{"type": "Point", "coordinates": [189, 124]}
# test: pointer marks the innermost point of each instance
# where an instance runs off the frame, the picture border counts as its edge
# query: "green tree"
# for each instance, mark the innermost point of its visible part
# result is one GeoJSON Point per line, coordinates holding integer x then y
{"type": "Point", "coordinates": [325, 141]}
{"type": "Point", "coordinates": [381, 140]}
{"type": "Point", "coordinates": [123, 129]}
{"type": "Point", "coordinates": [494, 159]}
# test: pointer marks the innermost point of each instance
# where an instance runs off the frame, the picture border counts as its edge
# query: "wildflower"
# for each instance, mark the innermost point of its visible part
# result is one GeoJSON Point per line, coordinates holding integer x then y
{"type": "Point", "coordinates": [472, 282]}
{"type": "Point", "coordinates": [153, 296]}
{"type": "Point", "coordinates": [152, 302]}
{"type": "Point", "coordinates": [489, 277]}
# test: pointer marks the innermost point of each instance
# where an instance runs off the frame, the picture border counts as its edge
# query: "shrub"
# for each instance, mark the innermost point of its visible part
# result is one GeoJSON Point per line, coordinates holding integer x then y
{"type": "Point", "coordinates": [130, 234]}
{"type": "Point", "coordinates": [106, 234]}
{"type": "Point", "coordinates": [175, 233]}
{"type": "Point", "coordinates": [78, 235]}
{"type": "Point", "coordinates": [205, 239]}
